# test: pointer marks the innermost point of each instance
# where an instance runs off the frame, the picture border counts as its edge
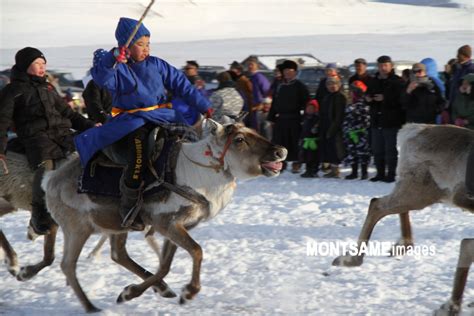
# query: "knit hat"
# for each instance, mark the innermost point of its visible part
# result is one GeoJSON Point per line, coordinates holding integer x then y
{"type": "Point", "coordinates": [25, 56]}
{"type": "Point", "coordinates": [384, 59]}
{"type": "Point", "coordinates": [331, 66]}
{"type": "Point", "coordinates": [418, 66]}
{"type": "Point", "coordinates": [289, 64]}
{"type": "Point", "coordinates": [358, 86]}
{"type": "Point", "coordinates": [465, 50]}
{"type": "Point", "coordinates": [125, 28]}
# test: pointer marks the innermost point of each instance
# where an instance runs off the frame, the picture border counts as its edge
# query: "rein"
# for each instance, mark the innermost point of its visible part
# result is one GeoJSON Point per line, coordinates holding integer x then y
{"type": "Point", "coordinates": [217, 167]}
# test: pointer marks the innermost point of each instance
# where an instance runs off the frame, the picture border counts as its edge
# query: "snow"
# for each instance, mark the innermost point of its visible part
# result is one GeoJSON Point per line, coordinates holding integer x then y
{"type": "Point", "coordinates": [255, 259]}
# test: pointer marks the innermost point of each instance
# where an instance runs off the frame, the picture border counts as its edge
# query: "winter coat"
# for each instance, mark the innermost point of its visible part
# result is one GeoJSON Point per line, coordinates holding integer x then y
{"type": "Point", "coordinates": [356, 132]}
{"type": "Point", "coordinates": [136, 85]}
{"type": "Point", "coordinates": [460, 70]}
{"type": "Point", "coordinates": [309, 140]}
{"type": "Point", "coordinates": [387, 113]}
{"type": "Point", "coordinates": [98, 102]}
{"type": "Point", "coordinates": [288, 103]}
{"type": "Point", "coordinates": [463, 106]}
{"type": "Point", "coordinates": [423, 103]}
{"type": "Point", "coordinates": [260, 87]}
{"type": "Point", "coordinates": [332, 116]}
{"type": "Point", "coordinates": [322, 91]}
{"type": "Point", "coordinates": [226, 100]}
{"type": "Point", "coordinates": [40, 117]}
{"type": "Point", "coordinates": [189, 113]}
{"type": "Point", "coordinates": [432, 73]}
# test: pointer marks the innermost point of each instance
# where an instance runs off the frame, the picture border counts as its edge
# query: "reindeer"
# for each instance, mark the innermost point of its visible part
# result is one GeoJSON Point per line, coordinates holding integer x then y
{"type": "Point", "coordinates": [15, 193]}
{"type": "Point", "coordinates": [423, 179]}
{"type": "Point", "coordinates": [207, 169]}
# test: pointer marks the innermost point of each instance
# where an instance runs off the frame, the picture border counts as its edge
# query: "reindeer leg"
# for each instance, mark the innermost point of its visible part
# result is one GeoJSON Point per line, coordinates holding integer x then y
{"type": "Point", "coordinates": [11, 258]}
{"type": "Point", "coordinates": [406, 239]}
{"type": "Point", "coordinates": [30, 271]}
{"type": "Point", "coordinates": [466, 257]}
{"type": "Point", "coordinates": [119, 255]}
{"type": "Point", "coordinates": [178, 235]}
{"type": "Point", "coordinates": [73, 244]}
{"type": "Point", "coordinates": [96, 251]}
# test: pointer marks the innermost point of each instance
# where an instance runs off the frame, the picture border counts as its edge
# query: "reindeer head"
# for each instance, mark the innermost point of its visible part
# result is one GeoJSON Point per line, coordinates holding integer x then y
{"type": "Point", "coordinates": [243, 152]}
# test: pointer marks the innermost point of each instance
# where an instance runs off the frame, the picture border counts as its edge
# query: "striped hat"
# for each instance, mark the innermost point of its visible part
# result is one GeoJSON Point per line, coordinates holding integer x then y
{"type": "Point", "coordinates": [125, 28]}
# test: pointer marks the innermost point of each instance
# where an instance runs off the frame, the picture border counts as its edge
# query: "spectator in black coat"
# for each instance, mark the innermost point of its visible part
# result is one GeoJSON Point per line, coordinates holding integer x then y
{"type": "Point", "coordinates": [422, 99]}
{"type": "Point", "coordinates": [332, 116]}
{"type": "Point", "coordinates": [386, 117]}
{"type": "Point", "coordinates": [98, 102]}
{"type": "Point", "coordinates": [309, 153]}
{"type": "Point", "coordinates": [322, 91]}
{"type": "Point", "coordinates": [42, 121]}
{"type": "Point", "coordinates": [285, 112]}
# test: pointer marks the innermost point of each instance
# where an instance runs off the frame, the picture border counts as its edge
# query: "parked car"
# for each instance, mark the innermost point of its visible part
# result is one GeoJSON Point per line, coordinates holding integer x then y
{"type": "Point", "coordinates": [269, 61]}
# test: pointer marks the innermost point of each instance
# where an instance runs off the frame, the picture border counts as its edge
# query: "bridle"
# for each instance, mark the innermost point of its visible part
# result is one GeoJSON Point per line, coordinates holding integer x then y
{"type": "Point", "coordinates": [220, 160]}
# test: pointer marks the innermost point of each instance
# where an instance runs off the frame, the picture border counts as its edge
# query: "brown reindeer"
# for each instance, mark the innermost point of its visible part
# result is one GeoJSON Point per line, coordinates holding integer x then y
{"type": "Point", "coordinates": [422, 180]}
{"type": "Point", "coordinates": [15, 193]}
{"type": "Point", "coordinates": [206, 169]}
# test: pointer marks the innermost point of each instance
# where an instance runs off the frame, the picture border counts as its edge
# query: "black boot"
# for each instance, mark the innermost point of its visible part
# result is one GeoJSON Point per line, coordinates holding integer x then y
{"type": "Point", "coordinates": [391, 173]}
{"type": "Point", "coordinates": [41, 221]}
{"type": "Point", "coordinates": [364, 175]}
{"type": "Point", "coordinates": [130, 204]}
{"type": "Point", "coordinates": [353, 175]}
{"type": "Point", "coordinates": [380, 176]}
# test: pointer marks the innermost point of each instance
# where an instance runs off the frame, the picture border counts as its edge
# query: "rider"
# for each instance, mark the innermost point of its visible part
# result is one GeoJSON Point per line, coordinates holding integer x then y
{"type": "Point", "coordinates": [42, 121]}
{"type": "Point", "coordinates": [138, 84]}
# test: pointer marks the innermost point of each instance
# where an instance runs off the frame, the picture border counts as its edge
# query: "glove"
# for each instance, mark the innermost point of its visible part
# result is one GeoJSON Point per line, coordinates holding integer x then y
{"type": "Point", "coordinates": [121, 54]}
{"type": "Point", "coordinates": [208, 113]}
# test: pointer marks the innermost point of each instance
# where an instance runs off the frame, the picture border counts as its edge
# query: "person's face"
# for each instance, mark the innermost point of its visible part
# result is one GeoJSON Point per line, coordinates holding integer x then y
{"type": "Point", "coordinates": [309, 109]}
{"type": "Point", "coordinates": [140, 50]}
{"type": "Point", "coordinates": [289, 73]}
{"type": "Point", "coordinates": [385, 68]}
{"type": "Point", "coordinates": [331, 72]}
{"type": "Point", "coordinates": [37, 67]}
{"type": "Point", "coordinates": [419, 73]}
{"type": "Point", "coordinates": [277, 73]}
{"type": "Point", "coordinates": [465, 87]}
{"type": "Point", "coordinates": [332, 87]}
{"type": "Point", "coordinates": [360, 68]}
{"type": "Point", "coordinates": [190, 70]}
{"type": "Point", "coordinates": [235, 71]}
{"type": "Point", "coordinates": [462, 58]}
{"type": "Point", "coordinates": [253, 67]}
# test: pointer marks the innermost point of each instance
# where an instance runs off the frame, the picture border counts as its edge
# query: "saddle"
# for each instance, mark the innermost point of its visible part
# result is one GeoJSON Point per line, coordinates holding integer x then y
{"type": "Point", "coordinates": [102, 174]}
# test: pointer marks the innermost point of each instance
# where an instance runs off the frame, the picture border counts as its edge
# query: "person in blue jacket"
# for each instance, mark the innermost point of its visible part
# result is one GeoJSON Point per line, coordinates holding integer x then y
{"type": "Point", "coordinates": [138, 84]}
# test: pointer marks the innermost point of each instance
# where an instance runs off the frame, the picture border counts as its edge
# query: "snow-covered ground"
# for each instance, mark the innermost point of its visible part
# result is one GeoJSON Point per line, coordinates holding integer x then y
{"type": "Point", "coordinates": [255, 259]}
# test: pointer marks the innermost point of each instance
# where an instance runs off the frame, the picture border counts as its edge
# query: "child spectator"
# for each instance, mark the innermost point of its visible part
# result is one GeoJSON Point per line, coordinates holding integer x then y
{"type": "Point", "coordinates": [356, 130]}
{"type": "Point", "coordinates": [309, 153]}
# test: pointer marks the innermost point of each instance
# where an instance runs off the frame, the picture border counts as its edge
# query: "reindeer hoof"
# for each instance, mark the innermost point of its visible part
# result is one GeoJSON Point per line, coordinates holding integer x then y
{"type": "Point", "coordinates": [448, 309]}
{"type": "Point", "coordinates": [24, 274]}
{"type": "Point", "coordinates": [188, 292]}
{"type": "Point", "coordinates": [93, 309]}
{"type": "Point", "coordinates": [166, 292]}
{"type": "Point", "coordinates": [128, 293]}
{"type": "Point", "coordinates": [12, 267]}
{"type": "Point", "coordinates": [348, 261]}
{"type": "Point", "coordinates": [400, 248]}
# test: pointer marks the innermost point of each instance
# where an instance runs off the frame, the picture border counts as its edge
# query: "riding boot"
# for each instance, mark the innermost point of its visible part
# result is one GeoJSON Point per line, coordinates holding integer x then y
{"type": "Point", "coordinates": [131, 202]}
{"type": "Point", "coordinates": [353, 175]}
{"type": "Point", "coordinates": [364, 175]}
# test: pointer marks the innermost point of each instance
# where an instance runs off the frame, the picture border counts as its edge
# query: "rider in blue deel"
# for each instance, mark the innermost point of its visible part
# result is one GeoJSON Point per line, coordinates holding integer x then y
{"type": "Point", "coordinates": [138, 84]}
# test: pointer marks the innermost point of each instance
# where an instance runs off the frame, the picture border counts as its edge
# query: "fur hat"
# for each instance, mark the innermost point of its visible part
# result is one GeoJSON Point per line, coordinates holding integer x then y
{"type": "Point", "coordinates": [125, 28]}
{"type": "Point", "coordinates": [384, 59]}
{"type": "Point", "coordinates": [289, 64]}
{"type": "Point", "coordinates": [465, 50]}
{"type": "Point", "coordinates": [236, 65]}
{"type": "Point", "coordinates": [25, 56]}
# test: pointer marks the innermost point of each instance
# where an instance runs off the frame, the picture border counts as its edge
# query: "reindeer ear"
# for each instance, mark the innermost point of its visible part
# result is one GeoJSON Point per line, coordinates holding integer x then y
{"type": "Point", "coordinates": [240, 118]}
{"type": "Point", "coordinates": [213, 127]}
